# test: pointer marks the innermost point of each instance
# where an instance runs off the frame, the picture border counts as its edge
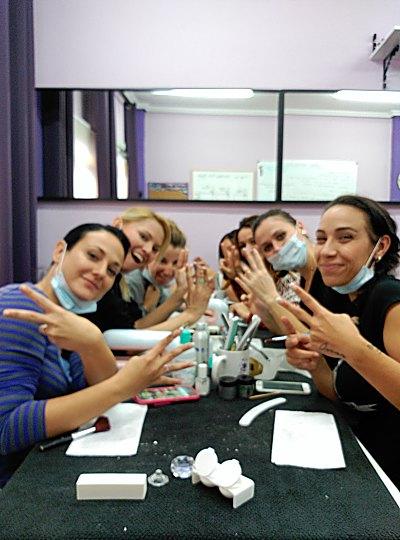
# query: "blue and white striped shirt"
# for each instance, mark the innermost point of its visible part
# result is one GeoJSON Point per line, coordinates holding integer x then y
{"type": "Point", "coordinates": [31, 371]}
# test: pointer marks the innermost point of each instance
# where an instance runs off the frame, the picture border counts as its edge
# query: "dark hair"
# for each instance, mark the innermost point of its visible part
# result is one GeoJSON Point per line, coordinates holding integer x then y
{"type": "Point", "coordinates": [379, 223]}
{"type": "Point", "coordinates": [231, 235]}
{"type": "Point", "coordinates": [274, 212]}
{"type": "Point", "coordinates": [247, 222]}
{"type": "Point", "coordinates": [76, 234]}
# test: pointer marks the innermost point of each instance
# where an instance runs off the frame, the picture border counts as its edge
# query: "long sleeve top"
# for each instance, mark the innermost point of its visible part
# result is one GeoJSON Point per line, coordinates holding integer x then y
{"type": "Point", "coordinates": [32, 370]}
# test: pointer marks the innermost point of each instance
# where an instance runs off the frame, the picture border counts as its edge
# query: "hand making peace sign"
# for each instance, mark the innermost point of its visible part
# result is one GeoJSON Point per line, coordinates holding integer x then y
{"type": "Point", "coordinates": [329, 333]}
{"type": "Point", "coordinates": [63, 328]}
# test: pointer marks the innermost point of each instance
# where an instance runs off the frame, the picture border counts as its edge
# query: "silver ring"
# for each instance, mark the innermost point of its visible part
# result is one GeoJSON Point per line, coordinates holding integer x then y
{"type": "Point", "coordinates": [43, 328]}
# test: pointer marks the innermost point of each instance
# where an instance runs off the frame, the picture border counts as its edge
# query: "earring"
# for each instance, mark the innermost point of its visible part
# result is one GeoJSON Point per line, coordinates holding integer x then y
{"type": "Point", "coordinates": [378, 258]}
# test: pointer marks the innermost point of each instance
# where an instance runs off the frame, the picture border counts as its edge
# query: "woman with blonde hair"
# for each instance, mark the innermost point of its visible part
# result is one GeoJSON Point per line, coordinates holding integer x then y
{"type": "Point", "coordinates": [149, 235]}
{"type": "Point", "coordinates": [162, 287]}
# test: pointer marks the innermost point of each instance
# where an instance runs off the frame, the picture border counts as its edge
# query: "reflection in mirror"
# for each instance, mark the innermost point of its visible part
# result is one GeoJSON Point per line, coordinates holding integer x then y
{"type": "Point", "coordinates": [139, 145]}
{"type": "Point", "coordinates": [207, 149]}
{"type": "Point", "coordinates": [85, 184]}
{"type": "Point", "coordinates": [334, 146]}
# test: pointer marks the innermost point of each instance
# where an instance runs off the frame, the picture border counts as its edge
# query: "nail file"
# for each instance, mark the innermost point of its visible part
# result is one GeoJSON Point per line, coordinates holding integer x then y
{"type": "Point", "coordinates": [248, 417]}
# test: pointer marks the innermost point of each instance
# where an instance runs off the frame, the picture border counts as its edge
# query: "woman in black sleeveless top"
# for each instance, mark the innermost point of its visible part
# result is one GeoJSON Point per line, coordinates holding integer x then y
{"type": "Point", "coordinates": [354, 354]}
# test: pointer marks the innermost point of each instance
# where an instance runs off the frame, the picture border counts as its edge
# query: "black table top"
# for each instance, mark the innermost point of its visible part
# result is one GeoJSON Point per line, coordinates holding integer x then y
{"type": "Point", "coordinates": [289, 502]}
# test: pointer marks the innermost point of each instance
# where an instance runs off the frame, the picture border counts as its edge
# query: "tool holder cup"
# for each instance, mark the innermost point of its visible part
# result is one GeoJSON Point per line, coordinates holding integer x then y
{"type": "Point", "coordinates": [229, 363]}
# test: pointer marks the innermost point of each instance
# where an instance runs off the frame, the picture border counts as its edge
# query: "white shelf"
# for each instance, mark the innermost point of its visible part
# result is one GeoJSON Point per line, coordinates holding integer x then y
{"type": "Point", "coordinates": [386, 46]}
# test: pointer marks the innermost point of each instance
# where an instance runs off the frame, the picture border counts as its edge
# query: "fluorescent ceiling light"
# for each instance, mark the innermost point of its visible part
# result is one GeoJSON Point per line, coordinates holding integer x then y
{"type": "Point", "coordinates": [208, 93]}
{"type": "Point", "coordinates": [368, 96]}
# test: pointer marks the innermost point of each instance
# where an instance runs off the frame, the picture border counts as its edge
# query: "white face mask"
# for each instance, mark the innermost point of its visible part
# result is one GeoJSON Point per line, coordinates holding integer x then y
{"type": "Point", "coordinates": [66, 297]}
{"type": "Point", "coordinates": [365, 274]}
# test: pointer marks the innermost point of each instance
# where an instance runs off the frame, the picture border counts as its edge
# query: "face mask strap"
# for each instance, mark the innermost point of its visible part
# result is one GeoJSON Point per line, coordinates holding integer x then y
{"type": "Point", "coordinates": [371, 257]}
{"type": "Point", "coordinates": [62, 258]}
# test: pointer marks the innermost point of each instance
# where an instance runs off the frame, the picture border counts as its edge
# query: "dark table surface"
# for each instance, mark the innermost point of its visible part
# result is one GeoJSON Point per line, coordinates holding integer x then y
{"type": "Point", "coordinates": [289, 502]}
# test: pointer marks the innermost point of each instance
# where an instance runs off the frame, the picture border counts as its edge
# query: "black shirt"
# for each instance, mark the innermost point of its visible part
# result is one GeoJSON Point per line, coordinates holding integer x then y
{"type": "Point", "coordinates": [115, 312]}
{"type": "Point", "coordinates": [374, 420]}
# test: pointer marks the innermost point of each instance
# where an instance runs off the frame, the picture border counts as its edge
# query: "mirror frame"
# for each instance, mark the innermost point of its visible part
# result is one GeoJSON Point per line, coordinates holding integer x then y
{"type": "Point", "coordinates": [279, 152]}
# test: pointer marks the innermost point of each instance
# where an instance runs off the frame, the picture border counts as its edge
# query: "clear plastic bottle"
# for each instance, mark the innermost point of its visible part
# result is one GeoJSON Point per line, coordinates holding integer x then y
{"type": "Point", "coordinates": [202, 381]}
{"type": "Point", "coordinates": [201, 341]}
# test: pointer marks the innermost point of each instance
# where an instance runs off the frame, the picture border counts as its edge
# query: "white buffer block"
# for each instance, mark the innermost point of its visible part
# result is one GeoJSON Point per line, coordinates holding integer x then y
{"type": "Point", "coordinates": [111, 486]}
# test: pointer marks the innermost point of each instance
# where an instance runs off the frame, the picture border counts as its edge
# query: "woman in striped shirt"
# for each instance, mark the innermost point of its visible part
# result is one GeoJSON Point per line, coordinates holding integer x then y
{"type": "Point", "coordinates": [56, 370]}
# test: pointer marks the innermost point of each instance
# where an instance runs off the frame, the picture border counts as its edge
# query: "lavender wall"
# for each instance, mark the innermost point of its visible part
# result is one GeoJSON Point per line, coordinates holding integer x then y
{"type": "Point", "coordinates": [272, 44]}
{"type": "Point", "coordinates": [267, 44]}
{"type": "Point", "coordinates": [364, 140]}
{"type": "Point", "coordinates": [177, 144]}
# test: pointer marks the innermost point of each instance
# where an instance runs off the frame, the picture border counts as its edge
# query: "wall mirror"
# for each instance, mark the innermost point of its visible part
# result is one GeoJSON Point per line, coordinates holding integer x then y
{"type": "Point", "coordinates": [334, 146]}
{"type": "Point", "coordinates": [141, 145]}
{"type": "Point", "coordinates": [271, 146]}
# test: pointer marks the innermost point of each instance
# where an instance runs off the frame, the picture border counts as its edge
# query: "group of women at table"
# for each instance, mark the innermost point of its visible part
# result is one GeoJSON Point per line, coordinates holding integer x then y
{"type": "Point", "coordinates": [341, 313]}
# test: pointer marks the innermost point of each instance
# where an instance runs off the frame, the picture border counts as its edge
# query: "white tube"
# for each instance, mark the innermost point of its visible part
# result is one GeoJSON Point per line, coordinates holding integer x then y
{"type": "Point", "coordinates": [138, 340]}
{"type": "Point", "coordinates": [141, 340]}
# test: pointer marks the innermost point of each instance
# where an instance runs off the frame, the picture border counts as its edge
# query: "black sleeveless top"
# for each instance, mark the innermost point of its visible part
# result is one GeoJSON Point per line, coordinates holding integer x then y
{"type": "Point", "coordinates": [115, 312]}
{"type": "Point", "coordinates": [374, 420]}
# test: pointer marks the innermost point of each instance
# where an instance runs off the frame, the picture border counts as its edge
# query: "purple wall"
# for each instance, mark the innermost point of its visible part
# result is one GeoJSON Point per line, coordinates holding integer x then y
{"type": "Point", "coordinates": [177, 144]}
{"type": "Point", "coordinates": [266, 44]}
{"type": "Point", "coordinates": [395, 171]}
{"type": "Point", "coordinates": [364, 140]}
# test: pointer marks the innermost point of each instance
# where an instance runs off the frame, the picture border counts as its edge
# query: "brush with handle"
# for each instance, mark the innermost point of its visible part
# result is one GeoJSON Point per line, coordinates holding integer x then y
{"type": "Point", "coordinates": [101, 424]}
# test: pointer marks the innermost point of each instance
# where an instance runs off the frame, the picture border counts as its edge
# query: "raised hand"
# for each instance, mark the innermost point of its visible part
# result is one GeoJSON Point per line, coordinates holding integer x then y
{"type": "Point", "coordinates": [151, 298]}
{"type": "Point", "coordinates": [200, 288]}
{"type": "Point", "coordinates": [330, 334]}
{"type": "Point", "coordinates": [254, 277]}
{"type": "Point", "coordinates": [241, 309]}
{"type": "Point", "coordinates": [181, 281]}
{"type": "Point", "coordinates": [298, 348]}
{"type": "Point", "coordinates": [63, 328]}
{"type": "Point", "coordinates": [182, 259]}
{"type": "Point", "coordinates": [151, 367]}
{"type": "Point", "coordinates": [230, 263]}
{"type": "Point", "coordinates": [255, 306]}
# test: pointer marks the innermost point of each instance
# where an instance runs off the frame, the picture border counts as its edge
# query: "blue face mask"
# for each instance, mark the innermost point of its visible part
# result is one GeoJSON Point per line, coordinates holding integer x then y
{"type": "Point", "coordinates": [66, 297]}
{"type": "Point", "coordinates": [291, 256]}
{"type": "Point", "coordinates": [365, 274]}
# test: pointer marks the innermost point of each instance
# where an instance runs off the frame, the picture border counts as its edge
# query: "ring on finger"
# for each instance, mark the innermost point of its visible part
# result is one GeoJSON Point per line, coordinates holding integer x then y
{"type": "Point", "coordinates": [43, 328]}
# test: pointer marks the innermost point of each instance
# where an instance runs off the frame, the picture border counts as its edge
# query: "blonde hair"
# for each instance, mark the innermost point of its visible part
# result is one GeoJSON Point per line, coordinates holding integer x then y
{"type": "Point", "coordinates": [138, 213]}
{"type": "Point", "coordinates": [178, 238]}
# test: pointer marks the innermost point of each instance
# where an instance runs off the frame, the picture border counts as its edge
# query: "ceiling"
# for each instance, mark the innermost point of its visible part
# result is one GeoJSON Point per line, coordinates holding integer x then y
{"type": "Point", "coordinates": [262, 103]}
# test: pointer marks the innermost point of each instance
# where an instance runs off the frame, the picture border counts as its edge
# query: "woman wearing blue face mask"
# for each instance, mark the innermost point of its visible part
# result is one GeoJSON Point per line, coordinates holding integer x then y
{"type": "Point", "coordinates": [56, 370]}
{"type": "Point", "coordinates": [354, 355]}
{"type": "Point", "coordinates": [283, 246]}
